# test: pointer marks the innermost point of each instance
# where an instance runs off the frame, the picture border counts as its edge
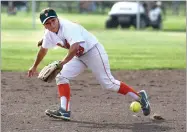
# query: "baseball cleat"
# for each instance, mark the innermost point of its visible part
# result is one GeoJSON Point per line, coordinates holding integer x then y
{"type": "Point", "coordinates": [144, 103]}
{"type": "Point", "coordinates": [59, 114]}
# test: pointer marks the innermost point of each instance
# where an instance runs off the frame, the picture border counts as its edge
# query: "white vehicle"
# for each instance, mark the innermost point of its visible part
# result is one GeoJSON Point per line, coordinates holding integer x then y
{"type": "Point", "coordinates": [125, 13]}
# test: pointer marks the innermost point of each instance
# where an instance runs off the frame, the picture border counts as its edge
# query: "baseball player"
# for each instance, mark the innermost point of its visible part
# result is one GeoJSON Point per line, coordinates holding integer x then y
{"type": "Point", "coordinates": [84, 51]}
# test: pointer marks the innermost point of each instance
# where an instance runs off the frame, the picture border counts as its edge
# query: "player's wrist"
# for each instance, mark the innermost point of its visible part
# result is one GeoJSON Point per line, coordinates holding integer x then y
{"type": "Point", "coordinates": [62, 63]}
{"type": "Point", "coordinates": [34, 67]}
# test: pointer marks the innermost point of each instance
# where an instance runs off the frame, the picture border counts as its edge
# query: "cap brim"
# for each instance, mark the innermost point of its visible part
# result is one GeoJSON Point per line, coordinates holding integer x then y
{"type": "Point", "coordinates": [47, 19]}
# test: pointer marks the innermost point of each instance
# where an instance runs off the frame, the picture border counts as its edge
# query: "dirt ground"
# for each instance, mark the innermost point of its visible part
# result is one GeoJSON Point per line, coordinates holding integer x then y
{"type": "Point", "coordinates": [24, 100]}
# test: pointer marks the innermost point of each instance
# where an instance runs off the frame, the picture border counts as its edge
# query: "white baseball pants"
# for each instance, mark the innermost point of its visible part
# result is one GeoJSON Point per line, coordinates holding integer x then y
{"type": "Point", "coordinates": [97, 61]}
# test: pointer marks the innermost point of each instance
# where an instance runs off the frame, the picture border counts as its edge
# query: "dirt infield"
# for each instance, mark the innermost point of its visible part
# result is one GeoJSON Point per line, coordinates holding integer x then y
{"type": "Point", "coordinates": [24, 100]}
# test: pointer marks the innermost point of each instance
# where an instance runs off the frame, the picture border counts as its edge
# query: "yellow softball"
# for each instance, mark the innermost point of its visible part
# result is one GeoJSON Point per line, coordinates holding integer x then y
{"type": "Point", "coordinates": [135, 106]}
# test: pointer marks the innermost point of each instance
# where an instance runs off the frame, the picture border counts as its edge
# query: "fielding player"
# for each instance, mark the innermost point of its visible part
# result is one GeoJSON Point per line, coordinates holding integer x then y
{"type": "Point", "coordinates": [84, 51]}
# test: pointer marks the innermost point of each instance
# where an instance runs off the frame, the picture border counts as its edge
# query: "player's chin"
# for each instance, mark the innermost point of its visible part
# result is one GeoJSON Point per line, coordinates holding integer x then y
{"type": "Point", "coordinates": [52, 30]}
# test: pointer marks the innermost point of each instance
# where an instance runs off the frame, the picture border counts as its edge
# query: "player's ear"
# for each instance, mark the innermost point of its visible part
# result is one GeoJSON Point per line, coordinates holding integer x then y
{"type": "Point", "coordinates": [40, 43]}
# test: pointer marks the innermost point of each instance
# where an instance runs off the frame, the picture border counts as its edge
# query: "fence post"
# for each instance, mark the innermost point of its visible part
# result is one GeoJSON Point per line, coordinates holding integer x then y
{"type": "Point", "coordinates": [138, 16]}
{"type": "Point", "coordinates": [34, 14]}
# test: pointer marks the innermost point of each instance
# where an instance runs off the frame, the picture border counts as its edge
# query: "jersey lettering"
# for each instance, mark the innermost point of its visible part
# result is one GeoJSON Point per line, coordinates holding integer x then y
{"type": "Point", "coordinates": [80, 51]}
{"type": "Point", "coordinates": [67, 46]}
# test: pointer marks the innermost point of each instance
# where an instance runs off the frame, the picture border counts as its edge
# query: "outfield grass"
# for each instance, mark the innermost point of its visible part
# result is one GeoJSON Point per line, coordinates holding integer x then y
{"type": "Point", "coordinates": [90, 22]}
{"type": "Point", "coordinates": [126, 49]}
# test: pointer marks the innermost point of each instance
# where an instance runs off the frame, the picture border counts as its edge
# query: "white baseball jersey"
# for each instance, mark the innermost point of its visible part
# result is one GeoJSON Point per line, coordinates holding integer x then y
{"type": "Point", "coordinates": [91, 54]}
{"type": "Point", "coordinates": [68, 34]}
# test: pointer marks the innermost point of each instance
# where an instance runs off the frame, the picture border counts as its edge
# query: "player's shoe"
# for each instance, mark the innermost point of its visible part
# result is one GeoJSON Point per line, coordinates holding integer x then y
{"type": "Point", "coordinates": [144, 102]}
{"type": "Point", "coordinates": [59, 114]}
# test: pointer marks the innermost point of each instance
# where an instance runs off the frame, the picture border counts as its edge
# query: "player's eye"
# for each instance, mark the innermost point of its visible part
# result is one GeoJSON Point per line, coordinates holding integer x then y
{"type": "Point", "coordinates": [46, 24]}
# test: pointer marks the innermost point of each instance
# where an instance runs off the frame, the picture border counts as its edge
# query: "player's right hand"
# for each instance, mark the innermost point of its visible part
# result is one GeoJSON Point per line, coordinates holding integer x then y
{"type": "Point", "coordinates": [31, 71]}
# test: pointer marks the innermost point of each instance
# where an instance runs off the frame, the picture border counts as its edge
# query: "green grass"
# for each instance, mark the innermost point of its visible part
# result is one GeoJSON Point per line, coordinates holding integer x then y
{"type": "Point", "coordinates": [126, 49]}
{"type": "Point", "coordinates": [24, 20]}
{"type": "Point", "coordinates": [90, 22]}
{"type": "Point", "coordinates": [175, 23]}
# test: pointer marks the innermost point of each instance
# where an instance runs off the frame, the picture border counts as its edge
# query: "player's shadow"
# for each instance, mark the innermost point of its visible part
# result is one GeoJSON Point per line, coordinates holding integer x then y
{"type": "Point", "coordinates": [135, 127]}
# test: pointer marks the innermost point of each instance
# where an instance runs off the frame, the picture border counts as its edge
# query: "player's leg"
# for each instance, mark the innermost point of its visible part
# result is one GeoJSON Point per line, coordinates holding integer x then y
{"type": "Point", "coordinates": [100, 67]}
{"type": "Point", "coordinates": [69, 71]}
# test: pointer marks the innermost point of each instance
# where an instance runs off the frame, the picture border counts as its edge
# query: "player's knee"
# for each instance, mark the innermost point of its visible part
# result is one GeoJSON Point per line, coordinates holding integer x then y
{"type": "Point", "coordinates": [61, 80]}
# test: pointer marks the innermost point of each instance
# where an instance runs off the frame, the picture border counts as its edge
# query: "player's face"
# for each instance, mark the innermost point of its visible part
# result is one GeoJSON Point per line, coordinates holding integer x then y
{"type": "Point", "coordinates": [52, 24]}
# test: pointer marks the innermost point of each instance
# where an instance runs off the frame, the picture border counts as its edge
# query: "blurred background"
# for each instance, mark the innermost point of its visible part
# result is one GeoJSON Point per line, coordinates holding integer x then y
{"type": "Point", "coordinates": [135, 34]}
{"type": "Point", "coordinates": [170, 14]}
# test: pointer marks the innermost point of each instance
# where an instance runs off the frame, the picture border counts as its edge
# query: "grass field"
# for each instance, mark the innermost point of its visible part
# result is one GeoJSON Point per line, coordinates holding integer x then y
{"type": "Point", "coordinates": [127, 49]}
{"type": "Point", "coordinates": [90, 22]}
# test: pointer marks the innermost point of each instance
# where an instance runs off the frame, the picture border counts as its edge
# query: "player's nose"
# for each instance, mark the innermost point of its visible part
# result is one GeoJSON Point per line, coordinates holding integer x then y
{"type": "Point", "coordinates": [52, 24]}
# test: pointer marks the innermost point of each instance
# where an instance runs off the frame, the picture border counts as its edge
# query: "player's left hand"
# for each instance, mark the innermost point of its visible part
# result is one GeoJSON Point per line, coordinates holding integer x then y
{"type": "Point", "coordinates": [49, 72]}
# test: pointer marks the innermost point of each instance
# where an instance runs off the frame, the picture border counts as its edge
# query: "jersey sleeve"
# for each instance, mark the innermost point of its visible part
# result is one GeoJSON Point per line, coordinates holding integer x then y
{"type": "Point", "coordinates": [50, 40]}
{"type": "Point", "coordinates": [73, 33]}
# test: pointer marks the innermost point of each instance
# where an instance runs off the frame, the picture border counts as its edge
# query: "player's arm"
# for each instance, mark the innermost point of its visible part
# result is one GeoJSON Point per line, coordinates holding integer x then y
{"type": "Point", "coordinates": [40, 55]}
{"type": "Point", "coordinates": [72, 52]}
